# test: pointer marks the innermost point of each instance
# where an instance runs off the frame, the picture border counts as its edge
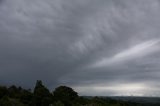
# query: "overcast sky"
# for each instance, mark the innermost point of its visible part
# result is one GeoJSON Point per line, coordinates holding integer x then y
{"type": "Point", "coordinates": [98, 47]}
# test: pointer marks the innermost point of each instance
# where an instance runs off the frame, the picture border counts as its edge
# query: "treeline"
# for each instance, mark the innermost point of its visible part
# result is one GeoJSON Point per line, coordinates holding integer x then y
{"type": "Point", "coordinates": [61, 96]}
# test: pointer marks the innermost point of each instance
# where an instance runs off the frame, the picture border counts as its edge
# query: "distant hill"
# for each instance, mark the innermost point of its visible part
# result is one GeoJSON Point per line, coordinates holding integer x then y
{"type": "Point", "coordinates": [138, 99]}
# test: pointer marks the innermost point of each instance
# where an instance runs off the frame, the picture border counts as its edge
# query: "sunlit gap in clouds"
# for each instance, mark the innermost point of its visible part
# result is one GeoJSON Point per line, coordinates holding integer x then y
{"type": "Point", "coordinates": [127, 89]}
{"type": "Point", "coordinates": [136, 51]}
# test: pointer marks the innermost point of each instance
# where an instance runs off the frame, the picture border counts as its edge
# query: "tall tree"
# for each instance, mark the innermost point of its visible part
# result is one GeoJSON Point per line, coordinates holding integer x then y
{"type": "Point", "coordinates": [42, 96]}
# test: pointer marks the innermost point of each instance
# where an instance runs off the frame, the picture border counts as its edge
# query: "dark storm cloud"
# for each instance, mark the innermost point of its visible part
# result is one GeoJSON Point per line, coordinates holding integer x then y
{"type": "Point", "coordinates": [36, 38]}
{"type": "Point", "coordinates": [100, 44]}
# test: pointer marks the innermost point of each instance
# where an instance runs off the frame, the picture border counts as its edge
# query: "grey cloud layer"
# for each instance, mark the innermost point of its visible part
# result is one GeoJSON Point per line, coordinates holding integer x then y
{"type": "Point", "coordinates": [58, 41]}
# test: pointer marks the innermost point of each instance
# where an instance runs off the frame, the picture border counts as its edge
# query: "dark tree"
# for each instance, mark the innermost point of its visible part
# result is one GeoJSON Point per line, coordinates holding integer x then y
{"type": "Point", "coordinates": [14, 91]}
{"type": "Point", "coordinates": [5, 101]}
{"type": "Point", "coordinates": [65, 94]}
{"type": "Point", "coordinates": [3, 91]}
{"type": "Point", "coordinates": [42, 96]}
{"type": "Point", "coordinates": [26, 96]}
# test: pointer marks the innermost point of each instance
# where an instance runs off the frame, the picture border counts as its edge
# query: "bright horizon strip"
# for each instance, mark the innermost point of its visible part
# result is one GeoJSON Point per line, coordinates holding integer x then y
{"type": "Point", "coordinates": [137, 89]}
{"type": "Point", "coordinates": [133, 52]}
{"type": "Point", "coordinates": [128, 89]}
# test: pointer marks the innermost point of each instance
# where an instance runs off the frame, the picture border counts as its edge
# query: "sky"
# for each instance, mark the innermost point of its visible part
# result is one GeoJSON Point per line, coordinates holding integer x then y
{"type": "Point", "coordinates": [97, 47]}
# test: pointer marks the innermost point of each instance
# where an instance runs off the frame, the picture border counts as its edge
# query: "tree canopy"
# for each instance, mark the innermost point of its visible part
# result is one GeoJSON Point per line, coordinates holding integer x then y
{"type": "Point", "coordinates": [61, 96]}
{"type": "Point", "coordinates": [65, 94]}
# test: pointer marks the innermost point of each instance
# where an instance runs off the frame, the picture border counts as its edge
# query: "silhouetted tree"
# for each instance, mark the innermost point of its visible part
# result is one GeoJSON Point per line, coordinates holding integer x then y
{"type": "Point", "coordinates": [3, 91]}
{"type": "Point", "coordinates": [58, 103]}
{"type": "Point", "coordinates": [65, 94]}
{"type": "Point", "coordinates": [41, 95]}
{"type": "Point", "coordinates": [26, 96]}
{"type": "Point", "coordinates": [5, 101]}
{"type": "Point", "coordinates": [14, 91]}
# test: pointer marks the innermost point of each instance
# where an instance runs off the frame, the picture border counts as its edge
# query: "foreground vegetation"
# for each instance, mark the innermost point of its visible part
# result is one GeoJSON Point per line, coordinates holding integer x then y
{"type": "Point", "coordinates": [61, 96]}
